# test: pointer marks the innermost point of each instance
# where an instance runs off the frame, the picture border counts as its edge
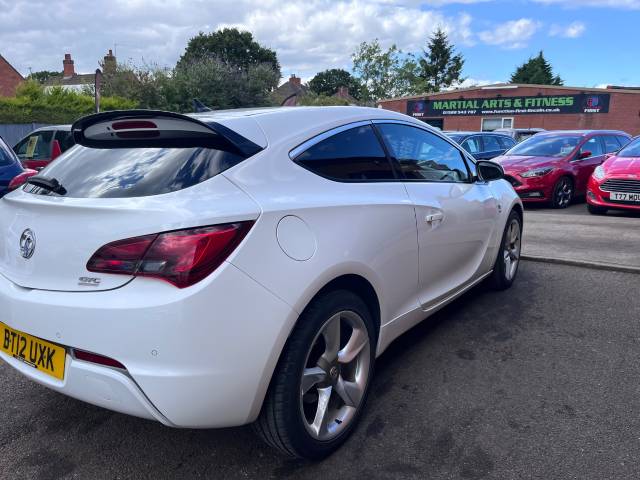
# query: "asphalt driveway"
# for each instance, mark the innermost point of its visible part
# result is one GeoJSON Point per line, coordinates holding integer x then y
{"type": "Point", "coordinates": [537, 382]}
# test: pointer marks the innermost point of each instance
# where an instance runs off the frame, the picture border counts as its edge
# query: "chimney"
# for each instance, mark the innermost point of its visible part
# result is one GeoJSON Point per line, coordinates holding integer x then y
{"type": "Point", "coordinates": [67, 66]}
{"type": "Point", "coordinates": [343, 92]}
{"type": "Point", "coordinates": [295, 81]}
{"type": "Point", "coordinates": [109, 64]}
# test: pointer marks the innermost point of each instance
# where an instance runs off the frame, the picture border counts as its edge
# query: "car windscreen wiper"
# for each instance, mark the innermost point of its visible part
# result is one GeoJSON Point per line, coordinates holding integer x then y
{"type": "Point", "coordinates": [50, 184]}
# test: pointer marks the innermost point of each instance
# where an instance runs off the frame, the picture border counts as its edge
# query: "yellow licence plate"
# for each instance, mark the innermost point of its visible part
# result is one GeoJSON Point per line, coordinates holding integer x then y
{"type": "Point", "coordinates": [40, 354]}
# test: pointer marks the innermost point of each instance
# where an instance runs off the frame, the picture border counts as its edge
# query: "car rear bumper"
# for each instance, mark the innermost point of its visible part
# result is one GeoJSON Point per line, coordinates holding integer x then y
{"type": "Point", "coordinates": [200, 357]}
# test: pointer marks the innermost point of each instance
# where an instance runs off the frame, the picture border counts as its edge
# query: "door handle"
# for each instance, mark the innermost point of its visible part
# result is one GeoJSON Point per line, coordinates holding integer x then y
{"type": "Point", "coordinates": [434, 217]}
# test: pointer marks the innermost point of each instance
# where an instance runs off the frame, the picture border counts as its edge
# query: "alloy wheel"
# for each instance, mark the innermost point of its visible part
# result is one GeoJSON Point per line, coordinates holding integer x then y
{"type": "Point", "coordinates": [564, 193]}
{"type": "Point", "coordinates": [511, 249]}
{"type": "Point", "coordinates": [335, 376]}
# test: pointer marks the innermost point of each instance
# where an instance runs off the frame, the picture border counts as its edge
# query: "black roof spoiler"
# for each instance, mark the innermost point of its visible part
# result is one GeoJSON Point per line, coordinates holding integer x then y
{"type": "Point", "coordinates": [157, 129]}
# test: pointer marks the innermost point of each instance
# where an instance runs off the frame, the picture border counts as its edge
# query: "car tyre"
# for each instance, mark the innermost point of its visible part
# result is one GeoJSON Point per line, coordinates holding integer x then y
{"type": "Point", "coordinates": [595, 210]}
{"type": "Point", "coordinates": [506, 267]}
{"type": "Point", "coordinates": [320, 385]}
{"type": "Point", "coordinates": [563, 192]}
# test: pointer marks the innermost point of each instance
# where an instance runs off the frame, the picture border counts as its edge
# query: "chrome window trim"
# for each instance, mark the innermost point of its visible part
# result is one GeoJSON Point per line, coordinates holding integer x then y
{"type": "Point", "coordinates": [304, 146]}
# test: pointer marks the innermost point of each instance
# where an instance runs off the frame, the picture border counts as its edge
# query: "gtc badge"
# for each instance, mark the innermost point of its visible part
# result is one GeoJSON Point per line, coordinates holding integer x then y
{"type": "Point", "coordinates": [27, 244]}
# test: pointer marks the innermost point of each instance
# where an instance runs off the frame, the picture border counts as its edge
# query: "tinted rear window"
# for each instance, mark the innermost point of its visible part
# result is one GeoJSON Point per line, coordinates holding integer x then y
{"type": "Point", "coordinates": [134, 172]}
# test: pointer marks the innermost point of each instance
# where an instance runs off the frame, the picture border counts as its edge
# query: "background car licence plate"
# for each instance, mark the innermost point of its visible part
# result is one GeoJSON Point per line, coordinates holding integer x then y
{"type": "Point", "coordinates": [625, 197]}
{"type": "Point", "coordinates": [40, 354]}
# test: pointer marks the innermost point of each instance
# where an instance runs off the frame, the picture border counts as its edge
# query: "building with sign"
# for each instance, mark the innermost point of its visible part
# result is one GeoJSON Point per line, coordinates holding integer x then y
{"type": "Point", "coordinates": [525, 106]}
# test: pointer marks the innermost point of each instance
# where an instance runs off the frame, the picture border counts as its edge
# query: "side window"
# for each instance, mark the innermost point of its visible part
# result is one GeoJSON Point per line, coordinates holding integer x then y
{"type": "Point", "coordinates": [594, 146]}
{"type": "Point", "coordinates": [65, 139]}
{"type": "Point", "coordinates": [506, 142]}
{"type": "Point", "coordinates": [624, 141]}
{"type": "Point", "coordinates": [423, 155]}
{"type": "Point", "coordinates": [6, 158]}
{"type": "Point", "coordinates": [611, 143]}
{"type": "Point", "coordinates": [36, 146]}
{"type": "Point", "coordinates": [491, 143]}
{"type": "Point", "coordinates": [352, 155]}
{"type": "Point", "coordinates": [472, 145]}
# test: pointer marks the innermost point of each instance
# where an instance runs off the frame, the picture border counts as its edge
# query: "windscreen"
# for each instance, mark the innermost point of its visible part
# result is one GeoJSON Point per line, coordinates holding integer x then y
{"type": "Point", "coordinates": [631, 150]}
{"type": "Point", "coordinates": [133, 172]}
{"type": "Point", "coordinates": [36, 146]}
{"type": "Point", "coordinates": [546, 146]}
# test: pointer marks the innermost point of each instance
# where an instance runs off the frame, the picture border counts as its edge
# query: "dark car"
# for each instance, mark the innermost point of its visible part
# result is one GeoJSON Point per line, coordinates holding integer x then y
{"type": "Point", "coordinates": [482, 145]}
{"type": "Point", "coordinates": [43, 145]}
{"type": "Point", "coordinates": [9, 167]}
{"type": "Point", "coordinates": [554, 167]}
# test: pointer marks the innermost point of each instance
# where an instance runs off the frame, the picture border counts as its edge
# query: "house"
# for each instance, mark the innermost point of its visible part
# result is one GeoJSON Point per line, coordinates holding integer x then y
{"type": "Point", "coordinates": [343, 93]}
{"type": "Point", "coordinates": [10, 78]}
{"type": "Point", "coordinates": [70, 80]}
{"type": "Point", "coordinates": [289, 93]}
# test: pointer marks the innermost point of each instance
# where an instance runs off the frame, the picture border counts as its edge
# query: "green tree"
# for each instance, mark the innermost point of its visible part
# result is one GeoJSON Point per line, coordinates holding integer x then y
{"type": "Point", "coordinates": [537, 70]}
{"type": "Point", "coordinates": [439, 66]}
{"type": "Point", "coordinates": [312, 99]}
{"type": "Point", "coordinates": [230, 46]}
{"type": "Point", "coordinates": [382, 73]}
{"type": "Point", "coordinates": [43, 75]}
{"type": "Point", "coordinates": [327, 83]}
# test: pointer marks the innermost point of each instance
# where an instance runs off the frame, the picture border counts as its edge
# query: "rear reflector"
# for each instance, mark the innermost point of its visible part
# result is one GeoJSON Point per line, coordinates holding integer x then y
{"type": "Point", "coordinates": [95, 358]}
{"type": "Point", "coordinates": [182, 258]}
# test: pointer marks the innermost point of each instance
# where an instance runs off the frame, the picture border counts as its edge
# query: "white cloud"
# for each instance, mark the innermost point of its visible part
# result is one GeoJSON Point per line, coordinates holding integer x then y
{"type": "Point", "coordinates": [308, 35]}
{"type": "Point", "coordinates": [628, 4]}
{"type": "Point", "coordinates": [474, 82]}
{"type": "Point", "coordinates": [511, 34]}
{"type": "Point", "coordinates": [573, 30]}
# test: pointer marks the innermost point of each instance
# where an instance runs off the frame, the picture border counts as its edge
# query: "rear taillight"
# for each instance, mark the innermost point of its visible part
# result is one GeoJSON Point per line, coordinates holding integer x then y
{"type": "Point", "coordinates": [19, 180]}
{"type": "Point", "coordinates": [182, 258]}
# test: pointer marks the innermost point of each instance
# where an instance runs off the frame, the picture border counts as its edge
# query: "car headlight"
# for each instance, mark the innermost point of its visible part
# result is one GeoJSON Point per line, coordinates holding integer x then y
{"type": "Point", "coordinates": [538, 172]}
{"type": "Point", "coordinates": [599, 172]}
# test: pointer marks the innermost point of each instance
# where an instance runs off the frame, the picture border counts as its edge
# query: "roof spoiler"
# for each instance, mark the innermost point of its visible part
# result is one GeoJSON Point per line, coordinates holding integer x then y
{"type": "Point", "coordinates": [157, 129]}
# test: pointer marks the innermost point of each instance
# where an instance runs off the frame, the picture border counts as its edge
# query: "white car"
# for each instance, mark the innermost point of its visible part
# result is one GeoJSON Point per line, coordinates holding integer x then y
{"type": "Point", "coordinates": [244, 266]}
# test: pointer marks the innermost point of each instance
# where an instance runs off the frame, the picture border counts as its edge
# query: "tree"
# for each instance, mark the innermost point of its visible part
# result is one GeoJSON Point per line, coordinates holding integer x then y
{"type": "Point", "coordinates": [439, 67]}
{"type": "Point", "coordinates": [43, 75]}
{"type": "Point", "coordinates": [537, 70]}
{"type": "Point", "coordinates": [327, 83]}
{"type": "Point", "coordinates": [311, 99]}
{"type": "Point", "coordinates": [230, 46]}
{"type": "Point", "coordinates": [382, 74]}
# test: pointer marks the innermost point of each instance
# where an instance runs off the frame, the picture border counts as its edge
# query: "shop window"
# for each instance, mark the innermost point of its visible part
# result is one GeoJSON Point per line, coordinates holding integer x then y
{"type": "Point", "coordinates": [491, 124]}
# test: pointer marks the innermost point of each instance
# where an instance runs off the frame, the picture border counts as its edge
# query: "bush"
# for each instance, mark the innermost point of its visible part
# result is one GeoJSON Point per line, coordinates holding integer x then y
{"type": "Point", "coordinates": [33, 104]}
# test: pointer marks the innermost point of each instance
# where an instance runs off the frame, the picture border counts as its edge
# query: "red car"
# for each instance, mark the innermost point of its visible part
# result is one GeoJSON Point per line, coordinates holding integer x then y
{"type": "Point", "coordinates": [554, 167]}
{"type": "Point", "coordinates": [44, 145]}
{"type": "Point", "coordinates": [616, 183]}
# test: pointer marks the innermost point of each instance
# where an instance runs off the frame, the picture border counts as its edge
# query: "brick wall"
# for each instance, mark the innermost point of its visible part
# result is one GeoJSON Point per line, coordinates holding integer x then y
{"type": "Point", "coordinates": [624, 111]}
{"type": "Point", "coordinates": [9, 79]}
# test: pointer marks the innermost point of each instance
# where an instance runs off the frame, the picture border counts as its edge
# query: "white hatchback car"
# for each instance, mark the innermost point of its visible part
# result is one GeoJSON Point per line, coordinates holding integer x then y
{"type": "Point", "coordinates": [243, 266]}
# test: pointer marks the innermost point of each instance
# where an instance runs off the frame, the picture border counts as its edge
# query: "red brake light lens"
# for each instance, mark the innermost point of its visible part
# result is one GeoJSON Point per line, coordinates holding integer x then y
{"type": "Point", "coordinates": [182, 258]}
{"type": "Point", "coordinates": [21, 179]}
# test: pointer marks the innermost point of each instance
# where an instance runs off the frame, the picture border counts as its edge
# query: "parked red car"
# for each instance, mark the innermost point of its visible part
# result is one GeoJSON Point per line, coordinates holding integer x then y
{"type": "Point", "coordinates": [616, 183]}
{"type": "Point", "coordinates": [43, 145]}
{"type": "Point", "coordinates": [554, 167]}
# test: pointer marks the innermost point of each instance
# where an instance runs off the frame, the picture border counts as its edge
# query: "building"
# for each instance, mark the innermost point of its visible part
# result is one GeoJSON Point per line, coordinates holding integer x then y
{"type": "Point", "coordinates": [523, 106]}
{"type": "Point", "coordinates": [10, 78]}
{"type": "Point", "coordinates": [70, 80]}
{"type": "Point", "coordinates": [289, 93]}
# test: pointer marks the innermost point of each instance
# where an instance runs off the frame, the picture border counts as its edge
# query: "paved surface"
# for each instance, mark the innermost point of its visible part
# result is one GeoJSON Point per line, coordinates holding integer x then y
{"type": "Point", "coordinates": [575, 234]}
{"type": "Point", "coordinates": [538, 382]}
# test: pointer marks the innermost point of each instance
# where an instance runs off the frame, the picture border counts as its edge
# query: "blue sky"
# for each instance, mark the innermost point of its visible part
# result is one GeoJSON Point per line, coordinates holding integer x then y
{"type": "Point", "coordinates": [589, 42]}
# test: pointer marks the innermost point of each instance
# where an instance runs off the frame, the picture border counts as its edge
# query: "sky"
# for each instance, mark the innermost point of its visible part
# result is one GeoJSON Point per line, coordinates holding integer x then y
{"type": "Point", "coordinates": [589, 42]}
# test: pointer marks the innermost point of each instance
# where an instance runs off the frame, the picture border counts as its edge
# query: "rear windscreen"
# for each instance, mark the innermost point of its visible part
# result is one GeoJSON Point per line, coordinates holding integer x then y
{"type": "Point", "coordinates": [134, 172]}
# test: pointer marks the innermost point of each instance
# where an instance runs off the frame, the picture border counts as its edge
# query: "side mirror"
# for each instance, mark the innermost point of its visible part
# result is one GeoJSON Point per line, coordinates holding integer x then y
{"type": "Point", "coordinates": [489, 171]}
{"type": "Point", "coordinates": [56, 151]}
{"type": "Point", "coordinates": [583, 155]}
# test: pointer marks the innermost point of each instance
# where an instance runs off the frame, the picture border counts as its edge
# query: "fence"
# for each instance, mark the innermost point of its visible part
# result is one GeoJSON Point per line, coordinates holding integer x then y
{"type": "Point", "coordinates": [12, 133]}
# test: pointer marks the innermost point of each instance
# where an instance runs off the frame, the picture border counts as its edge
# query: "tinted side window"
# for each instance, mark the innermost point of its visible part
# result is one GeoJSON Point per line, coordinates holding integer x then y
{"type": "Point", "coordinates": [423, 155]}
{"type": "Point", "coordinates": [472, 145]}
{"type": "Point", "coordinates": [352, 155]}
{"type": "Point", "coordinates": [594, 146]}
{"type": "Point", "coordinates": [36, 146]}
{"type": "Point", "coordinates": [6, 158]}
{"type": "Point", "coordinates": [65, 139]}
{"type": "Point", "coordinates": [491, 143]}
{"type": "Point", "coordinates": [506, 142]}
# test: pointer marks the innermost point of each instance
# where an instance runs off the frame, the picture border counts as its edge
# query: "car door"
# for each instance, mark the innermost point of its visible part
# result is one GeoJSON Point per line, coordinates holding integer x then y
{"type": "Point", "coordinates": [585, 166]}
{"type": "Point", "coordinates": [455, 215]}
